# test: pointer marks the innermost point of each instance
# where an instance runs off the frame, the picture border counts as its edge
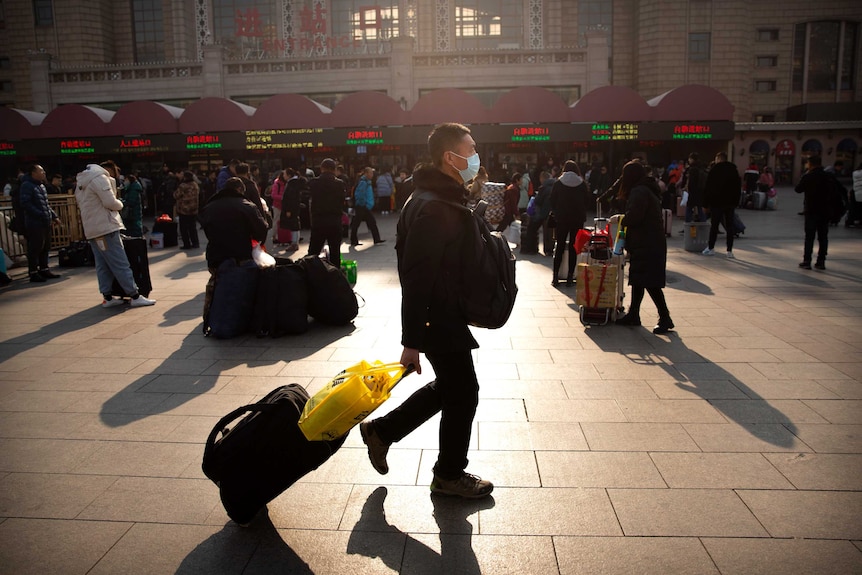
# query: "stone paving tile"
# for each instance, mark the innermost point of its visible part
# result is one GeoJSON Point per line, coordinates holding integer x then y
{"type": "Point", "coordinates": [840, 411]}
{"type": "Point", "coordinates": [608, 389]}
{"type": "Point", "coordinates": [704, 389]}
{"type": "Point", "coordinates": [351, 466]}
{"type": "Point", "coordinates": [546, 343]}
{"type": "Point", "coordinates": [203, 404]}
{"type": "Point", "coordinates": [669, 411]}
{"type": "Point", "coordinates": [521, 389]}
{"type": "Point", "coordinates": [597, 469]}
{"type": "Point", "coordinates": [637, 437]}
{"type": "Point", "coordinates": [800, 371]}
{"type": "Point", "coordinates": [192, 549]}
{"type": "Point", "coordinates": [745, 437]}
{"type": "Point", "coordinates": [526, 511]}
{"type": "Point", "coordinates": [718, 471]}
{"type": "Point", "coordinates": [134, 403]}
{"type": "Point", "coordinates": [573, 410]}
{"type": "Point", "coordinates": [154, 500]}
{"type": "Point", "coordinates": [41, 425]}
{"type": "Point", "coordinates": [799, 556]}
{"type": "Point", "coordinates": [409, 510]}
{"type": "Point", "coordinates": [126, 427]}
{"type": "Point", "coordinates": [39, 546]}
{"type": "Point", "coordinates": [834, 438]}
{"type": "Point", "coordinates": [501, 410]}
{"type": "Point", "coordinates": [186, 384]}
{"type": "Point", "coordinates": [41, 401]}
{"type": "Point", "coordinates": [787, 389]}
{"type": "Point", "coordinates": [88, 382]}
{"type": "Point", "coordinates": [43, 455]}
{"type": "Point", "coordinates": [626, 555]}
{"type": "Point", "coordinates": [807, 514]}
{"type": "Point", "coordinates": [308, 506]}
{"type": "Point", "coordinates": [503, 469]}
{"type": "Point", "coordinates": [788, 411]}
{"type": "Point", "coordinates": [54, 496]}
{"type": "Point", "coordinates": [138, 458]}
{"type": "Point", "coordinates": [455, 553]}
{"type": "Point", "coordinates": [533, 435]}
{"type": "Point", "coordinates": [819, 471]}
{"type": "Point", "coordinates": [684, 513]}
{"type": "Point", "coordinates": [110, 365]}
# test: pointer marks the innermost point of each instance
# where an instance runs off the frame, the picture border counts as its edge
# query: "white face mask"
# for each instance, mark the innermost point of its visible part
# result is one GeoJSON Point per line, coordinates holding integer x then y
{"type": "Point", "coordinates": [472, 168]}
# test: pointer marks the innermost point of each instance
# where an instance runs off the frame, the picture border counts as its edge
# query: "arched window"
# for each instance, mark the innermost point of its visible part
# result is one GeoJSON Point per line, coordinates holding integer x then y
{"type": "Point", "coordinates": [758, 152]}
{"type": "Point", "coordinates": [812, 148]}
{"type": "Point", "coordinates": [845, 151]}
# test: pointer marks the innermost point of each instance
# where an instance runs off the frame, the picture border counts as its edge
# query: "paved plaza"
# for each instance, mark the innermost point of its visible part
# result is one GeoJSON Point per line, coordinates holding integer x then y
{"type": "Point", "coordinates": [732, 446]}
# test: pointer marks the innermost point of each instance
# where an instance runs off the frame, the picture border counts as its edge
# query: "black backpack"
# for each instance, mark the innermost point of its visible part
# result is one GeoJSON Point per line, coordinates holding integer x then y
{"type": "Point", "coordinates": [489, 270]}
{"type": "Point", "coordinates": [837, 200]}
{"type": "Point", "coordinates": [330, 298]}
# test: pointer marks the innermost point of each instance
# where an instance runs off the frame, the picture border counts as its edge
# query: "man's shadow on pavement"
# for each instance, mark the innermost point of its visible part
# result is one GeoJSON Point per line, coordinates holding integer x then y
{"type": "Point", "coordinates": [147, 395]}
{"type": "Point", "coordinates": [257, 548]}
{"type": "Point", "coordinates": [456, 551]}
{"type": "Point", "coordinates": [699, 376]}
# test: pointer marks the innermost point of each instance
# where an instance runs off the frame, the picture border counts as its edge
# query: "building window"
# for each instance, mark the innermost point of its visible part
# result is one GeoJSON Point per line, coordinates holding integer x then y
{"type": "Point", "coordinates": [765, 86]}
{"type": "Point", "coordinates": [698, 46]}
{"type": "Point", "coordinates": [489, 24]}
{"type": "Point", "coordinates": [148, 30]}
{"type": "Point", "coordinates": [816, 49]}
{"type": "Point", "coordinates": [247, 27]}
{"type": "Point", "coordinates": [594, 15]}
{"type": "Point", "coordinates": [471, 22]}
{"type": "Point", "coordinates": [43, 12]}
{"type": "Point", "coordinates": [374, 23]}
{"type": "Point", "coordinates": [764, 117]}
{"type": "Point", "coordinates": [359, 25]}
{"type": "Point", "coordinates": [767, 61]}
{"type": "Point", "coordinates": [767, 34]}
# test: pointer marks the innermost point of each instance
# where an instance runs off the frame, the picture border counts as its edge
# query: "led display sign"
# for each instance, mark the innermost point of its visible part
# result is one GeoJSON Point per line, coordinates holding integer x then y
{"type": "Point", "coordinates": [203, 142]}
{"type": "Point", "coordinates": [76, 147]}
{"type": "Point", "coordinates": [624, 131]}
{"type": "Point", "coordinates": [364, 137]}
{"type": "Point", "coordinates": [292, 139]}
{"type": "Point", "coordinates": [140, 144]}
{"type": "Point", "coordinates": [601, 132]}
{"type": "Point", "coordinates": [531, 134]}
{"type": "Point", "coordinates": [692, 132]}
{"type": "Point", "coordinates": [7, 149]}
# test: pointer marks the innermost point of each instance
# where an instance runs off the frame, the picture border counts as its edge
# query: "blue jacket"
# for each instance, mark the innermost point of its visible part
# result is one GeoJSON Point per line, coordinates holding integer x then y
{"type": "Point", "coordinates": [364, 194]}
{"type": "Point", "coordinates": [34, 200]}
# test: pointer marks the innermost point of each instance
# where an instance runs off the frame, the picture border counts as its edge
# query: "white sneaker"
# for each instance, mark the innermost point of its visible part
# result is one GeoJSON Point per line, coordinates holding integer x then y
{"type": "Point", "coordinates": [142, 301]}
{"type": "Point", "coordinates": [113, 302]}
{"type": "Point", "coordinates": [708, 252]}
{"type": "Point", "coordinates": [730, 256]}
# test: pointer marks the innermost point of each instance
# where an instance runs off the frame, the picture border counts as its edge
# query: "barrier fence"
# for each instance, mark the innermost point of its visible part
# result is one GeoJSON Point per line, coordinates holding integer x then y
{"type": "Point", "coordinates": [70, 229]}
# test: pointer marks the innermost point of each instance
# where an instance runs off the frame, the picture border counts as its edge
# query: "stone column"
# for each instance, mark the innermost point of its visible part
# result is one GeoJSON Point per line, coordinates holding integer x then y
{"type": "Point", "coordinates": [401, 71]}
{"type": "Point", "coordinates": [213, 71]}
{"type": "Point", "coordinates": [40, 85]}
{"type": "Point", "coordinates": [598, 53]}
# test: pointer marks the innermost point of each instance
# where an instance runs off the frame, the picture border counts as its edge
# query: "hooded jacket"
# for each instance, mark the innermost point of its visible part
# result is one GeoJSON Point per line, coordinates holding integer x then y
{"type": "Point", "coordinates": [570, 200]}
{"type": "Point", "coordinates": [429, 244]}
{"type": "Point", "coordinates": [96, 194]}
{"type": "Point", "coordinates": [645, 238]}
{"type": "Point", "coordinates": [723, 185]}
{"type": "Point", "coordinates": [230, 222]}
{"type": "Point", "coordinates": [34, 201]}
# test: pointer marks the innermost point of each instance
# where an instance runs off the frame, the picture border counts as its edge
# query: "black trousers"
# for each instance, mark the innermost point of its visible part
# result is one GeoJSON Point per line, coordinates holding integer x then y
{"type": "Point", "coordinates": [657, 296]}
{"type": "Point", "coordinates": [565, 238]}
{"type": "Point", "coordinates": [38, 244]}
{"type": "Point", "coordinates": [723, 216]}
{"type": "Point", "coordinates": [330, 234]}
{"type": "Point", "coordinates": [819, 226]}
{"type": "Point", "coordinates": [455, 394]}
{"type": "Point", "coordinates": [363, 214]}
{"type": "Point", "coordinates": [189, 231]}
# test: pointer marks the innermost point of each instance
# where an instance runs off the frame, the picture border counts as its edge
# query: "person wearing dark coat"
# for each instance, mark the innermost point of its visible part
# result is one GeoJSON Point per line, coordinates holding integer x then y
{"type": "Point", "coordinates": [327, 205]}
{"type": "Point", "coordinates": [290, 206]}
{"type": "Point", "coordinates": [570, 199]}
{"type": "Point", "coordinates": [646, 244]}
{"type": "Point", "coordinates": [430, 244]}
{"type": "Point", "coordinates": [721, 195]}
{"type": "Point", "coordinates": [542, 206]}
{"type": "Point", "coordinates": [815, 184]}
{"type": "Point", "coordinates": [38, 219]}
{"type": "Point", "coordinates": [511, 195]}
{"type": "Point", "coordinates": [693, 180]}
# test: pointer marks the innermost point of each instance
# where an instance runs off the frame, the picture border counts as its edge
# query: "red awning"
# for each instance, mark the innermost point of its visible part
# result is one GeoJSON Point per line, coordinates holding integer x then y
{"type": "Point", "coordinates": [692, 102]}
{"type": "Point", "coordinates": [448, 105]}
{"type": "Point", "coordinates": [216, 115]}
{"type": "Point", "coordinates": [611, 104]}
{"type": "Point", "coordinates": [368, 109]}
{"type": "Point", "coordinates": [144, 117]}
{"type": "Point", "coordinates": [529, 104]}
{"type": "Point", "coordinates": [19, 124]}
{"type": "Point", "coordinates": [286, 111]}
{"type": "Point", "coordinates": [72, 120]}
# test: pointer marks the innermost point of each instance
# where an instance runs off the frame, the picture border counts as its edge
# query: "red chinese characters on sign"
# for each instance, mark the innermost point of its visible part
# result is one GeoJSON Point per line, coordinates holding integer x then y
{"type": "Point", "coordinates": [7, 146]}
{"type": "Point", "coordinates": [364, 134]}
{"type": "Point", "coordinates": [785, 148]}
{"type": "Point", "coordinates": [75, 144]}
{"type": "Point", "coordinates": [531, 131]}
{"type": "Point", "coordinates": [136, 143]}
{"type": "Point", "coordinates": [692, 129]}
{"type": "Point", "coordinates": [312, 21]}
{"type": "Point", "coordinates": [202, 139]}
{"type": "Point", "coordinates": [248, 23]}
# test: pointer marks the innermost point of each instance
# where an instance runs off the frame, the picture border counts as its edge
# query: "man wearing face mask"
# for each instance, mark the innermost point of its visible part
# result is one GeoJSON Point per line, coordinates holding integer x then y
{"type": "Point", "coordinates": [430, 246]}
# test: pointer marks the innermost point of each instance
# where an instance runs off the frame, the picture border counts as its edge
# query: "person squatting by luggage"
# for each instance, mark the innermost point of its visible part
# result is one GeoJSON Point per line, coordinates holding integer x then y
{"type": "Point", "coordinates": [430, 251]}
{"type": "Point", "coordinates": [96, 194]}
{"type": "Point", "coordinates": [646, 244]}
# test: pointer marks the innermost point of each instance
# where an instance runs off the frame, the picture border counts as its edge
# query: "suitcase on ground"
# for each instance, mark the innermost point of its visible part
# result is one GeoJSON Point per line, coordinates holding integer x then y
{"type": "Point", "coordinates": [759, 201]}
{"type": "Point", "coordinates": [169, 229]}
{"type": "Point", "coordinates": [136, 253]}
{"type": "Point", "coordinates": [281, 304]}
{"type": "Point", "coordinates": [738, 226]}
{"type": "Point", "coordinates": [232, 306]}
{"type": "Point", "coordinates": [283, 235]}
{"type": "Point", "coordinates": [667, 218]}
{"type": "Point", "coordinates": [254, 461]}
{"type": "Point", "coordinates": [330, 298]}
{"type": "Point", "coordinates": [76, 254]}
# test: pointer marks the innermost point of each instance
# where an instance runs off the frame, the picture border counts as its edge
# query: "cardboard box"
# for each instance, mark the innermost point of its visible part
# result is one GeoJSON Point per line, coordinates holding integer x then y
{"type": "Point", "coordinates": [597, 285]}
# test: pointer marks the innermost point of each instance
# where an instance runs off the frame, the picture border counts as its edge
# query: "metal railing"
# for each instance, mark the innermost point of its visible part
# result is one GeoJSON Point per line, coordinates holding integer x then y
{"type": "Point", "coordinates": [71, 229]}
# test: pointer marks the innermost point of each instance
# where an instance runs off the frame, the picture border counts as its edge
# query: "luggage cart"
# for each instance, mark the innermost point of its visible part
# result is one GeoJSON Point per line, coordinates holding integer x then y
{"type": "Point", "coordinates": [600, 277]}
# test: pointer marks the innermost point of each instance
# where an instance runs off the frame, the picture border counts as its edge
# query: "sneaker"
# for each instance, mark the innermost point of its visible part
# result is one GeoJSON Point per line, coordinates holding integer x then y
{"type": "Point", "coordinates": [663, 327]}
{"type": "Point", "coordinates": [141, 301]}
{"type": "Point", "coordinates": [48, 274]}
{"type": "Point", "coordinates": [629, 319]}
{"type": "Point", "coordinates": [37, 279]}
{"type": "Point", "coordinates": [820, 266]}
{"type": "Point", "coordinates": [730, 256]}
{"type": "Point", "coordinates": [377, 448]}
{"type": "Point", "coordinates": [468, 486]}
{"type": "Point", "coordinates": [113, 302]}
{"type": "Point", "coordinates": [805, 265]}
{"type": "Point", "coordinates": [380, 241]}
{"type": "Point", "coordinates": [708, 252]}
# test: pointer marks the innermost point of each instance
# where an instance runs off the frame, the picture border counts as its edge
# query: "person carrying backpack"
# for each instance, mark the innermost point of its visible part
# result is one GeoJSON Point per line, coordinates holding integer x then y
{"type": "Point", "coordinates": [432, 248]}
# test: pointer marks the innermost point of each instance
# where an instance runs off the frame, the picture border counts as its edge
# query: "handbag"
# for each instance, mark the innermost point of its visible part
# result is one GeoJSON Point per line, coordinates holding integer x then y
{"type": "Point", "coordinates": [349, 398]}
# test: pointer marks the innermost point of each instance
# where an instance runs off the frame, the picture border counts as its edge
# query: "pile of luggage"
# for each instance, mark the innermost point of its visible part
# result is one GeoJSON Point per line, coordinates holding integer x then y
{"type": "Point", "coordinates": [278, 300]}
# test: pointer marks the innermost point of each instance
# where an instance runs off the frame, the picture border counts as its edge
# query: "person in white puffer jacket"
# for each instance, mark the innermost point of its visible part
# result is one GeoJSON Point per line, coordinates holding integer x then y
{"type": "Point", "coordinates": [96, 194]}
{"type": "Point", "coordinates": [854, 217]}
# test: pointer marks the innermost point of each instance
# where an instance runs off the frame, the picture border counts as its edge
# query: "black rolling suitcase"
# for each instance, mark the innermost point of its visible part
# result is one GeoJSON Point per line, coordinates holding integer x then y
{"type": "Point", "coordinates": [169, 229]}
{"type": "Point", "coordinates": [76, 254]}
{"type": "Point", "coordinates": [281, 304]}
{"type": "Point", "coordinates": [136, 252]}
{"type": "Point", "coordinates": [264, 454]}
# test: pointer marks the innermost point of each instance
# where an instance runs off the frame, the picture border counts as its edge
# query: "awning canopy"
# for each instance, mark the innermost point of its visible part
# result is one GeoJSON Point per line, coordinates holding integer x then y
{"type": "Point", "coordinates": [216, 115]}
{"type": "Point", "coordinates": [611, 104]}
{"type": "Point", "coordinates": [362, 109]}
{"type": "Point", "coordinates": [19, 124]}
{"type": "Point", "coordinates": [145, 117]}
{"type": "Point", "coordinates": [448, 105]}
{"type": "Point", "coordinates": [74, 120]}
{"type": "Point", "coordinates": [692, 102]}
{"type": "Point", "coordinates": [529, 104]}
{"type": "Point", "coordinates": [287, 111]}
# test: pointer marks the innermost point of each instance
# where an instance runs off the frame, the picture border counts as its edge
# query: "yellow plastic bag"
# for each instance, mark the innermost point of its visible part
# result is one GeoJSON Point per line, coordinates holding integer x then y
{"type": "Point", "coordinates": [348, 399]}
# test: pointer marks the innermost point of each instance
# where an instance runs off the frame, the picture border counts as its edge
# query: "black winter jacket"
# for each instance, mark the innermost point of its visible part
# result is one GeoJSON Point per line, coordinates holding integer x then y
{"type": "Point", "coordinates": [815, 185]}
{"type": "Point", "coordinates": [723, 186]}
{"type": "Point", "coordinates": [34, 201]}
{"type": "Point", "coordinates": [645, 239]}
{"type": "Point", "coordinates": [570, 199]}
{"type": "Point", "coordinates": [291, 201]}
{"type": "Point", "coordinates": [230, 222]}
{"type": "Point", "coordinates": [327, 199]}
{"type": "Point", "coordinates": [430, 239]}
